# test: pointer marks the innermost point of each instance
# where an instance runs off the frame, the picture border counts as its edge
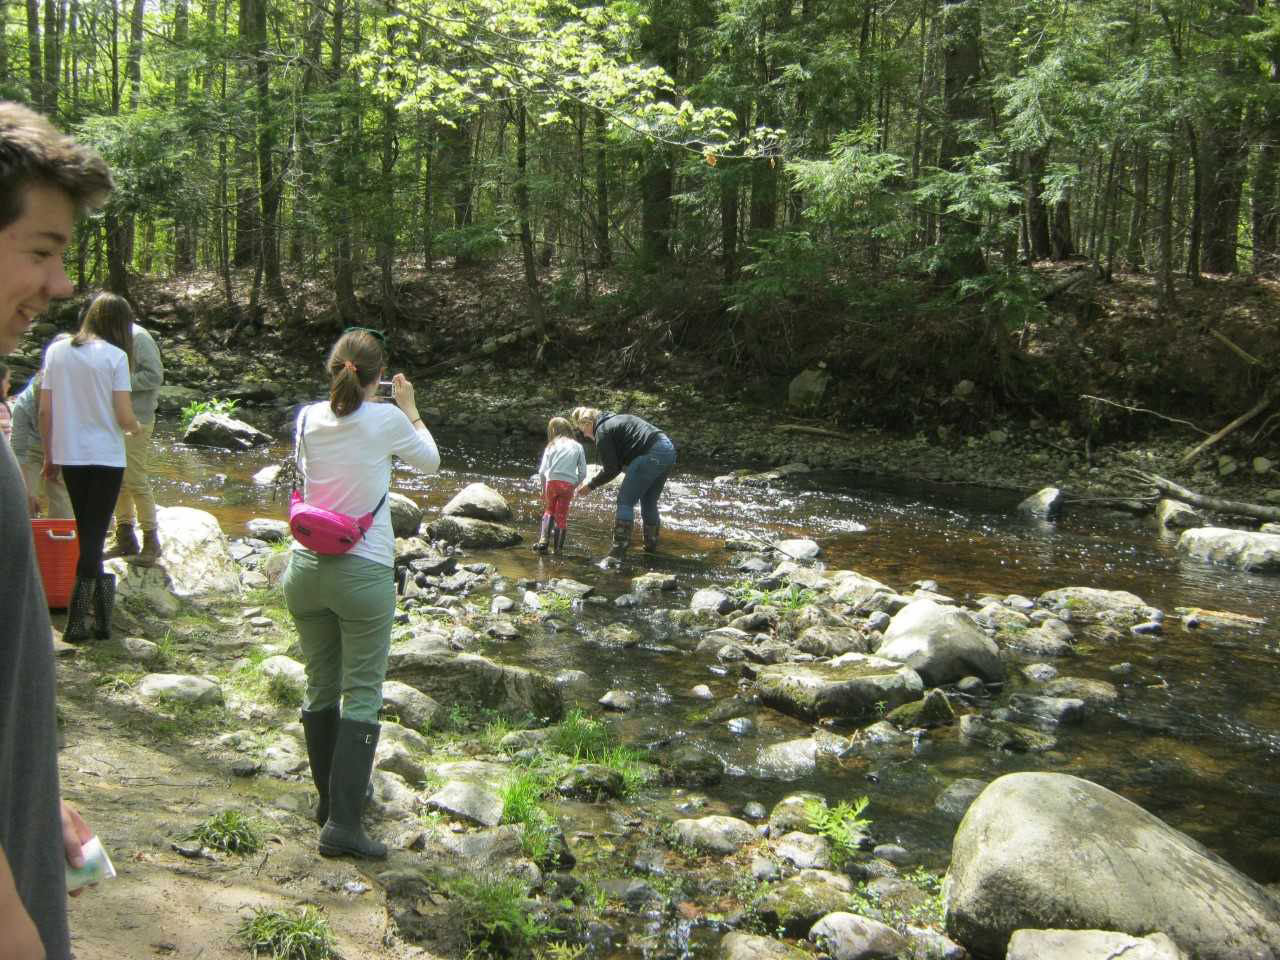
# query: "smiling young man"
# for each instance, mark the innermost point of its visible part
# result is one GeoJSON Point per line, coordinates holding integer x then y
{"type": "Point", "coordinates": [46, 178]}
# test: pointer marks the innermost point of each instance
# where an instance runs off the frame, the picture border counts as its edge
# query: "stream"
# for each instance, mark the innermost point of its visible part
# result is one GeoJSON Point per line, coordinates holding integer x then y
{"type": "Point", "coordinates": [1193, 739]}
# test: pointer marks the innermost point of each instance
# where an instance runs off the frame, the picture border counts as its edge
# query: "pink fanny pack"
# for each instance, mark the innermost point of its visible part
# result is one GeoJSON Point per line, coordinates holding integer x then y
{"type": "Point", "coordinates": [325, 531]}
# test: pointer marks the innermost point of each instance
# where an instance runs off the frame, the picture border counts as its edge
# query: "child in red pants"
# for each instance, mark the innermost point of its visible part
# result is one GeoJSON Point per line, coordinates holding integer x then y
{"type": "Point", "coordinates": [563, 467]}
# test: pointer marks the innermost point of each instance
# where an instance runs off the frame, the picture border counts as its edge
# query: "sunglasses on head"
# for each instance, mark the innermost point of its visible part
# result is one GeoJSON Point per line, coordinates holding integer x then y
{"type": "Point", "coordinates": [382, 337]}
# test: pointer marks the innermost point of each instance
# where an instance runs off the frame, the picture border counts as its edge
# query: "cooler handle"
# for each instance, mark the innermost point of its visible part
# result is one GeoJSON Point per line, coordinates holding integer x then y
{"type": "Point", "coordinates": [54, 535]}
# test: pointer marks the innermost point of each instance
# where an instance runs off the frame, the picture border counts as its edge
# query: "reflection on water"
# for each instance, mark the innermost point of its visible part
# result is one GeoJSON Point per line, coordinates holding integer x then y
{"type": "Point", "coordinates": [1193, 739]}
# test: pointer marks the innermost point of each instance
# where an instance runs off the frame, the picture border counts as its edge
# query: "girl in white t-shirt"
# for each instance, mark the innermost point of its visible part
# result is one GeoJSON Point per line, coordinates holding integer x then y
{"type": "Point", "coordinates": [343, 604]}
{"type": "Point", "coordinates": [85, 411]}
{"type": "Point", "coordinates": [562, 468]}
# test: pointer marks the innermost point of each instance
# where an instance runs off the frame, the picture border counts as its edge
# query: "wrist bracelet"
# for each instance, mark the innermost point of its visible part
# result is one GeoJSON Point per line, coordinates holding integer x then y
{"type": "Point", "coordinates": [419, 420]}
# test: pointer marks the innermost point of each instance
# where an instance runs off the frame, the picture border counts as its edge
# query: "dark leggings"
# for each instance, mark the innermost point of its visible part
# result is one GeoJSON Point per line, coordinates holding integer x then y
{"type": "Point", "coordinates": [93, 492]}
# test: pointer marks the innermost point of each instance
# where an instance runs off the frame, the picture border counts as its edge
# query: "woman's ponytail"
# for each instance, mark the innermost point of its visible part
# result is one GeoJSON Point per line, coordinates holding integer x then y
{"type": "Point", "coordinates": [355, 361]}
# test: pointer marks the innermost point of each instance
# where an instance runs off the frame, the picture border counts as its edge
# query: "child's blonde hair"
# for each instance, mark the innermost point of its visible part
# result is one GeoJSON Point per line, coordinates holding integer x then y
{"type": "Point", "coordinates": [558, 427]}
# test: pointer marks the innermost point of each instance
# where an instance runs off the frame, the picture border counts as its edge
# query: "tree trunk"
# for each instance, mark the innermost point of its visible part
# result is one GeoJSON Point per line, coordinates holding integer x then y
{"type": "Point", "coordinates": [656, 183]}
{"type": "Point", "coordinates": [269, 189]}
{"type": "Point", "coordinates": [962, 105]}
{"type": "Point", "coordinates": [1063, 246]}
{"type": "Point", "coordinates": [117, 261]}
{"type": "Point", "coordinates": [1197, 204]}
{"type": "Point", "coordinates": [4, 42]}
{"type": "Point", "coordinates": [52, 56]}
{"type": "Point", "coordinates": [1037, 214]}
{"type": "Point", "coordinates": [603, 250]}
{"type": "Point", "coordinates": [308, 162]}
{"type": "Point", "coordinates": [660, 42]}
{"type": "Point", "coordinates": [133, 67]}
{"type": "Point", "coordinates": [1167, 293]}
{"type": "Point", "coordinates": [184, 227]}
{"type": "Point", "coordinates": [388, 214]}
{"type": "Point", "coordinates": [526, 228]}
{"type": "Point", "coordinates": [1224, 155]}
{"type": "Point", "coordinates": [35, 75]}
{"type": "Point", "coordinates": [343, 266]}
{"type": "Point", "coordinates": [729, 226]}
{"type": "Point", "coordinates": [1138, 215]}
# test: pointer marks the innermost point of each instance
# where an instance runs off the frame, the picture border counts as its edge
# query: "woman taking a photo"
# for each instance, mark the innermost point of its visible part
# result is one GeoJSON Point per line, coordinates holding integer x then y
{"type": "Point", "coordinates": [85, 411]}
{"type": "Point", "coordinates": [343, 604]}
{"type": "Point", "coordinates": [626, 442]}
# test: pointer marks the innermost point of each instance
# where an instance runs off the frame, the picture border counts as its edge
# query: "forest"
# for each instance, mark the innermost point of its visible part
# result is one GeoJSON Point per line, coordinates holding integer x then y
{"type": "Point", "coordinates": [798, 156]}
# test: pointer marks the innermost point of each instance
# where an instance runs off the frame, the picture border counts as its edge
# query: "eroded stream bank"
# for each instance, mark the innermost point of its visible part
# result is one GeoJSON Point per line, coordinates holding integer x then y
{"type": "Point", "coordinates": [1191, 734]}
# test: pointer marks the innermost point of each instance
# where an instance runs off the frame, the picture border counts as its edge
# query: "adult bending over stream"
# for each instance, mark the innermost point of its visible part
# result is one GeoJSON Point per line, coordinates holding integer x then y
{"type": "Point", "coordinates": [343, 604]}
{"type": "Point", "coordinates": [645, 453]}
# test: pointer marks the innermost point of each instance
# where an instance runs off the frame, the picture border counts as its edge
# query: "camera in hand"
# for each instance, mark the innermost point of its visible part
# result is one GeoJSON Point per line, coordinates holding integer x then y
{"type": "Point", "coordinates": [386, 389]}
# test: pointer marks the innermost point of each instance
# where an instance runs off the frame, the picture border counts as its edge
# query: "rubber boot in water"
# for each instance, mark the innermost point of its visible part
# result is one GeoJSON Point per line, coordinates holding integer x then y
{"type": "Point", "coordinates": [320, 728]}
{"type": "Point", "coordinates": [559, 540]}
{"type": "Point", "coordinates": [343, 834]}
{"type": "Point", "coordinates": [621, 542]}
{"type": "Point", "coordinates": [544, 540]}
{"type": "Point", "coordinates": [651, 537]}
{"type": "Point", "coordinates": [78, 610]}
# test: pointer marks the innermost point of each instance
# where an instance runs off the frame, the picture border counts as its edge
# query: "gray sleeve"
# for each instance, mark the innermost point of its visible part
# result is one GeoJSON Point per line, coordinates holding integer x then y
{"type": "Point", "coordinates": [148, 372]}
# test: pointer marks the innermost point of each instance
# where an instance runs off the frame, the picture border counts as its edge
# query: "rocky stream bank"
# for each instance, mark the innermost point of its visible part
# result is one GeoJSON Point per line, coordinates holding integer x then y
{"type": "Point", "coordinates": [534, 809]}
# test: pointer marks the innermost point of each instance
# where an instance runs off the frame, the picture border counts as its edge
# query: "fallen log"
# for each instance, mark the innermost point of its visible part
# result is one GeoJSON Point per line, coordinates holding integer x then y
{"type": "Point", "coordinates": [1230, 428]}
{"type": "Point", "coordinates": [1216, 504]}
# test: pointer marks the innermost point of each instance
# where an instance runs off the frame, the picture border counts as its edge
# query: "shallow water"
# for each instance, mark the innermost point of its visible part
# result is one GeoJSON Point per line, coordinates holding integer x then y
{"type": "Point", "coordinates": [1193, 739]}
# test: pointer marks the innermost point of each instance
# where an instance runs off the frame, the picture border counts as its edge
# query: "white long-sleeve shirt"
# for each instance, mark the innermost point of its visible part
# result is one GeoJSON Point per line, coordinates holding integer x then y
{"type": "Point", "coordinates": [346, 463]}
{"type": "Point", "coordinates": [563, 459]}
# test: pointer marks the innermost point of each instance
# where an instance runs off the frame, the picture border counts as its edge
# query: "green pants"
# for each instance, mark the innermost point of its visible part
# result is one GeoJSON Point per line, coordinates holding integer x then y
{"type": "Point", "coordinates": [342, 607]}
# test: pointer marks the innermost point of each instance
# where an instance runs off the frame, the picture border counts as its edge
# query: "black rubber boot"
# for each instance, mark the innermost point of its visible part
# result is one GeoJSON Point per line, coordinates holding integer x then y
{"type": "Point", "coordinates": [621, 541]}
{"type": "Point", "coordinates": [321, 730]}
{"type": "Point", "coordinates": [78, 610]}
{"type": "Point", "coordinates": [651, 537]}
{"type": "Point", "coordinates": [559, 540]}
{"type": "Point", "coordinates": [343, 834]}
{"type": "Point", "coordinates": [104, 602]}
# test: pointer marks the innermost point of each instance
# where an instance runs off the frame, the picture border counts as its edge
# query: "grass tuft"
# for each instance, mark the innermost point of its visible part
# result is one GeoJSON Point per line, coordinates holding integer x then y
{"type": "Point", "coordinates": [303, 936]}
{"type": "Point", "coordinates": [230, 831]}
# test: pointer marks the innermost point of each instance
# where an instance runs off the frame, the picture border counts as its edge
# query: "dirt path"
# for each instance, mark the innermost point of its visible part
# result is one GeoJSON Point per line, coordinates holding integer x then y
{"type": "Point", "coordinates": [141, 793]}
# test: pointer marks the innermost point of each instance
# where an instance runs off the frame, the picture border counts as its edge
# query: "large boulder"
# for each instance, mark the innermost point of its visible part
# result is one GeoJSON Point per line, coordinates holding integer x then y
{"type": "Point", "coordinates": [829, 641]}
{"type": "Point", "coordinates": [1239, 549]}
{"type": "Point", "coordinates": [472, 533]}
{"type": "Point", "coordinates": [1084, 604]}
{"type": "Point", "coordinates": [807, 388]}
{"type": "Point", "coordinates": [797, 903]}
{"type": "Point", "coordinates": [406, 516]}
{"type": "Point", "coordinates": [941, 643]}
{"type": "Point", "coordinates": [749, 946]}
{"type": "Point", "coordinates": [479, 501]}
{"type": "Point", "coordinates": [857, 687]}
{"type": "Point", "coordinates": [195, 562]}
{"type": "Point", "coordinates": [1176, 515]}
{"type": "Point", "coordinates": [475, 681]}
{"type": "Point", "coordinates": [1090, 945]}
{"type": "Point", "coordinates": [1044, 504]}
{"type": "Point", "coordinates": [1048, 850]}
{"type": "Point", "coordinates": [220, 430]}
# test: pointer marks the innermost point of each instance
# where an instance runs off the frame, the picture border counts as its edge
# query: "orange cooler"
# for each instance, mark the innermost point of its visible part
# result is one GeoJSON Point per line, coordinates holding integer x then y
{"type": "Point", "coordinates": [57, 551]}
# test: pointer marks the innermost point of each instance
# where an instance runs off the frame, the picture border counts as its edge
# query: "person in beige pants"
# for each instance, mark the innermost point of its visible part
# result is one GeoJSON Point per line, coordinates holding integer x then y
{"type": "Point", "coordinates": [136, 506]}
{"type": "Point", "coordinates": [28, 447]}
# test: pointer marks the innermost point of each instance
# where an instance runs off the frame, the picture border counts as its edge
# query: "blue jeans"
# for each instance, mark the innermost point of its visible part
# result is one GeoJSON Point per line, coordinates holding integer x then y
{"type": "Point", "coordinates": [645, 477]}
